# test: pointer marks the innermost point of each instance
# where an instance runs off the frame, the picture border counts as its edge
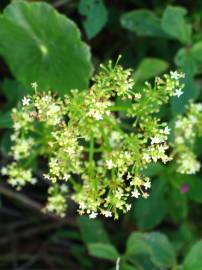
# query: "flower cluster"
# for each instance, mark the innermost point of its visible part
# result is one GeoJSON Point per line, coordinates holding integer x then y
{"type": "Point", "coordinates": [18, 176]}
{"type": "Point", "coordinates": [187, 128]}
{"type": "Point", "coordinates": [95, 147]}
{"type": "Point", "coordinates": [57, 200]}
{"type": "Point", "coordinates": [150, 99]}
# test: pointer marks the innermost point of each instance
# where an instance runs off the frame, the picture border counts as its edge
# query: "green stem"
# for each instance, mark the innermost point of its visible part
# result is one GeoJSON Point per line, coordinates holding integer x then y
{"type": "Point", "coordinates": [91, 154]}
{"type": "Point", "coordinates": [95, 150]}
{"type": "Point", "coordinates": [118, 108]}
{"type": "Point", "coordinates": [29, 160]}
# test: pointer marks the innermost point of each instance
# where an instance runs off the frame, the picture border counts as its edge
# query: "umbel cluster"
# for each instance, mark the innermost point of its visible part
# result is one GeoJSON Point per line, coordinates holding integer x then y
{"type": "Point", "coordinates": [97, 142]}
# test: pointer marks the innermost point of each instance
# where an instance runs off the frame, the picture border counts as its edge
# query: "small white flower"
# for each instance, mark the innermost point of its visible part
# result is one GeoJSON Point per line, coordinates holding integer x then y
{"type": "Point", "coordinates": [109, 164]}
{"type": "Point", "coordinates": [137, 95]}
{"type": "Point", "coordinates": [128, 176]}
{"type": "Point", "coordinates": [114, 138]}
{"type": "Point", "coordinates": [46, 176]}
{"type": "Point", "coordinates": [70, 151]}
{"type": "Point", "coordinates": [146, 157]}
{"type": "Point", "coordinates": [128, 207]}
{"type": "Point", "coordinates": [167, 130]}
{"type": "Point", "coordinates": [147, 84]}
{"type": "Point", "coordinates": [175, 75]}
{"type": "Point", "coordinates": [193, 119]}
{"type": "Point", "coordinates": [161, 149]}
{"type": "Point", "coordinates": [82, 205]}
{"type": "Point", "coordinates": [137, 181]}
{"type": "Point", "coordinates": [4, 171]}
{"type": "Point", "coordinates": [178, 124]}
{"type": "Point", "coordinates": [53, 109]}
{"type": "Point", "coordinates": [66, 176]}
{"type": "Point", "coordinates": [25, 101]}
{"type": "Point", "coordinates": [155, 140]}
{"type": "Point", "coordinates": [178, 92]}
{"type": "Point", "coordinates": [95, 114]}
{"type": "Point", "coordinates": [179, 139]}
{"type": "Point", "coordinates": [63, 188]}
{"type": "Point", "coordinates": [135, 193]}
{"type": "Point", "coordinates": [93, 215]}
{"type": "Point", "coordinates": [34, 85]}
{"type": "Point", "coordinates": [145, 195]}
{"type": "Point", "coordinates": [107, 213]}
{"type": "Point", "coordinates": [147, 184]}
{"type": "Point", "coordinates": [98, 116]}
{"type": "Point", "coordinates": [33, 180]}
{"type": "Point", "coordinates": [127, 155]}
{"type": "Point", "coordinates": [13, 137]}
{"type": "Point", "coordinates": [199, 107]}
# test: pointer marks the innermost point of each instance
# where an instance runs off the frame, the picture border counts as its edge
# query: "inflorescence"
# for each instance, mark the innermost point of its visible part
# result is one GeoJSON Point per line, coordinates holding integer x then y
{"type": "Point", "coordinates": [96, 148]}
{"type": "Point", "coordinates": [187, 129]}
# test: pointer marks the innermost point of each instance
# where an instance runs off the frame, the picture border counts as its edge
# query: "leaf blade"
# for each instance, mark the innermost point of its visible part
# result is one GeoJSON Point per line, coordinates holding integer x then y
{"type": "Point", "coordinates": [46, 44]}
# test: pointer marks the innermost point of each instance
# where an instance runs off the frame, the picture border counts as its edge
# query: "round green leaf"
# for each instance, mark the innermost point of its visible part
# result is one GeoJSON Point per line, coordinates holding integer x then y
{"type": "Point", "coordinates": [41, 45]}
{"type": "Point", "coordinates": [96, 16]}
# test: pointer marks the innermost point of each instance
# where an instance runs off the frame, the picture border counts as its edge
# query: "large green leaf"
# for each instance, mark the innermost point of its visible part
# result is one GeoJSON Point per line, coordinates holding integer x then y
{"type": "Point", "coordinates": [162, 252]}
{"type": "Point", "coordinates": [96, 16]}
{"type": "Point", "coordinates": [41, 45]}
{"type": "Point", "coordinates": [148, 68]}
{"type": "Point", "coordinates": [174, 24]}
{"type": "Point", "coordinates": [143, 23]}
{"type": "Point", "coordinates": [178, 208]}
{"type": "Point", "coordinates": [193, 259]}
{"type": "Point", "coordinates": [155, 245]}
{"type": "Point", "coordinates": [136, 244]}
{"type": "Point", "coordinates": [147, 213]}
{"type": "Point", "coordinates": [103, 251]}
{"type": "Point", "coordinates": [92, 231]}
